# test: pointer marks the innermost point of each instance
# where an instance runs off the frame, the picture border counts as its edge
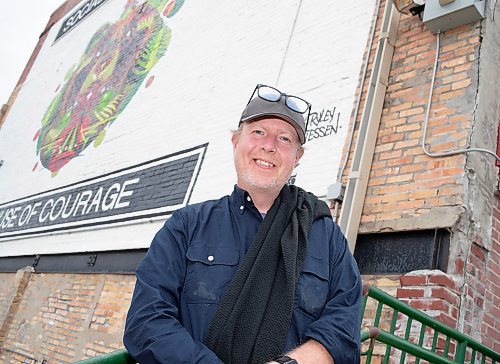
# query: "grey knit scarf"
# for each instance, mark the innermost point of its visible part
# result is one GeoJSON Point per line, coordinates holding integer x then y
{"type": "Point", "coordinates": [254, 315]}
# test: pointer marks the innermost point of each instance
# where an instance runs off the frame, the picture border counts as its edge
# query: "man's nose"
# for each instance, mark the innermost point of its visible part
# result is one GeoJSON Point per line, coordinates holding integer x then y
{"type": "Point", "coordinates": [269, 143]}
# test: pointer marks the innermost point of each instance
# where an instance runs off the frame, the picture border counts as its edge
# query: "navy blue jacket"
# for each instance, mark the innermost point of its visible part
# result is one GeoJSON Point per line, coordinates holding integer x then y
{"type": "Point", "coordinates": [193, 258]}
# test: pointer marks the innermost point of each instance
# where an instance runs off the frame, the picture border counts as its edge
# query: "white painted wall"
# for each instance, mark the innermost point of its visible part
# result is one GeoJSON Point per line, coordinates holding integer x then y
{"type": "Point", "coordinates": [218, 52]}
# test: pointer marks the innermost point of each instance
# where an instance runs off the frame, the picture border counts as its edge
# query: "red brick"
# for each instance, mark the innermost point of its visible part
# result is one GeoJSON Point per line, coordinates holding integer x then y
{"type": "Point", "coordinates": [459, 266]}
{"type": "Point", "coordinates": [444, 281]}
{"type": "Point", "coordinates": [446, 294]}
{"type": "Point", "coordinates": [451, 95]}
{"type": "Point", "coordinates": [413, 280]}
{"type": "Point", "coordinates": [478, 252]}
{"type": "Point", "coordinates": [429, 304]}
{"type": "Point", "coordinates": [409, 293]}
{"type": "Point", "coordinates": [454, 62]}
{"type": "Point", "coordinates": [446, 319]}
{"type": "Point", "coordinates": [412, 168]}
{"type": "Point", "coordinates": [390, 155]}
{"type": "Point", "coordinates": [461, 84]}
{"type": "Point", "coordinates": [395, 197]}
{"type": "Point", "coordinates": [401, 178]}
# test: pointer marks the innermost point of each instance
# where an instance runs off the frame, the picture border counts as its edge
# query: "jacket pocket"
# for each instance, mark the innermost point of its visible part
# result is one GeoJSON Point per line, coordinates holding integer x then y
{"type": "Point", "coordinates": [210, 268]}
{"type": "Point", "coordinates": [313, 285]}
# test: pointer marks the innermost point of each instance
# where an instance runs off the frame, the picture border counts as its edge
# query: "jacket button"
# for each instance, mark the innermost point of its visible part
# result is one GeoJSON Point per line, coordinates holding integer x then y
{"type": "Point", "coordinates": [210, 258]}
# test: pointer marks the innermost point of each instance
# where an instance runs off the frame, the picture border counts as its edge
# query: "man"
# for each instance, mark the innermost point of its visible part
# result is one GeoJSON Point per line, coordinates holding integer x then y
{"type": "Point", "coordinates": [262, 275]}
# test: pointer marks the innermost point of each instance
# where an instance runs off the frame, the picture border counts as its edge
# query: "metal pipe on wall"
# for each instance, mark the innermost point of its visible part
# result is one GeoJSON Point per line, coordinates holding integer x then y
{"type": "Point", "coordinates": [339, 198]}
{"type": "Point", "coordinates": [355, 192]}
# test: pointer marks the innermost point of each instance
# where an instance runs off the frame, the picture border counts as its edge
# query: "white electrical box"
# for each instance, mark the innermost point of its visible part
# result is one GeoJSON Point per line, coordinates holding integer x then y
{"type": "Point", "coordinates": [452, 14]}
{"type": "Point", "coordinates": [335, 192]}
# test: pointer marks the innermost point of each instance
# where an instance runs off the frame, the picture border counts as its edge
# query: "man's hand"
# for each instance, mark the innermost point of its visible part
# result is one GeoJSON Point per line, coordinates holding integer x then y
{"type": "Point", "coordinates": [311, 352]}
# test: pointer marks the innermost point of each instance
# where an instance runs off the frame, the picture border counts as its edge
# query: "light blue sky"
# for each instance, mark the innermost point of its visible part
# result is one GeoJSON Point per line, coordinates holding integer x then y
{"type": "Point", "coordinates": [21, 23]}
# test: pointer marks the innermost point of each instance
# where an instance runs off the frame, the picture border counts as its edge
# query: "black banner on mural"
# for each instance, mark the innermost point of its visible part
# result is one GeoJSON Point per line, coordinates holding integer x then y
{"type": "Point", "coordinates": [78, 15]}
{"type": "Point", "coordinates": [150, 189]}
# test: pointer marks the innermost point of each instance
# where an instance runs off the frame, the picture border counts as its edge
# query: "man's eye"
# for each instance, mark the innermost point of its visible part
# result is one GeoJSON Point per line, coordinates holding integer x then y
{"type": "Point", "coordinates": [258, 132]}
{"type": "Point", "coordinates": [285, 139]}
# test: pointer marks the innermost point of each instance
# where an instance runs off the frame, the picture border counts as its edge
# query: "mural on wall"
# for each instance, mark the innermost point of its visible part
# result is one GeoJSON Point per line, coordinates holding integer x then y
{"type": "Point", "coordinates": [152, 84]}
{"type": "Point", "coordinates": [146, 190]}
{"type": "Point", "coordinates": [115, 63]}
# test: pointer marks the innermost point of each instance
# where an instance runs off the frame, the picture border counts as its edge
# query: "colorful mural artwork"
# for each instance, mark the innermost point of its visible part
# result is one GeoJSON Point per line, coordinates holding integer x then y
{"type": "Point", "coordinates": [125, 114]}
{"type": "Point", "coordinates": [115, 63]}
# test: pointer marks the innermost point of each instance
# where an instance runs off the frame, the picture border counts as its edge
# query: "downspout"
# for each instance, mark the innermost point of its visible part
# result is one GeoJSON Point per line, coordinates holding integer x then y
{"type": "Point", "coordinates": [338, 187]}
{"type": "Point", "coordinates": [355, 192]}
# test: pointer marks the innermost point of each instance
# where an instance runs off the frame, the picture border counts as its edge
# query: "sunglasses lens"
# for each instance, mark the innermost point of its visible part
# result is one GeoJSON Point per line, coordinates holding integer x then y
{"type": "Point", "coordinates": [269, 93]}
{"type": "Point", "coordinates": [297, 104]}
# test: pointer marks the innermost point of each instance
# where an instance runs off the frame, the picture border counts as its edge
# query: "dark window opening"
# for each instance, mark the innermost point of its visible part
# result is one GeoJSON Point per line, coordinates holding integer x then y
{"type": "Point", "coordinates": [402, 252]}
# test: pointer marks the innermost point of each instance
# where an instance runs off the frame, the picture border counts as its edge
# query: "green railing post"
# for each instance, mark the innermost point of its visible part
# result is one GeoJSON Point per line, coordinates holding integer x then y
{"type": "Point", "coordinates": [460, 352]}
{"type": "Point", "coordinates": [115, 357]}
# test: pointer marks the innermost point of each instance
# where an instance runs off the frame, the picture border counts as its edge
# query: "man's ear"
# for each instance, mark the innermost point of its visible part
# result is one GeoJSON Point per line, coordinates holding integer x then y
{"type": "Point", "coordinates": [234, 139]}
{"type": "Point", "coordinates": [299, 155]}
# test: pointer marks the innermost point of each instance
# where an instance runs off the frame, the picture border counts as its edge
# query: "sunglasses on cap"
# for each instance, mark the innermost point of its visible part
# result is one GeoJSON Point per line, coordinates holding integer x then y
{"type": "Point", "coordinates": [267, 100]}
{"type": "Point", "coordinates": [272, 94]}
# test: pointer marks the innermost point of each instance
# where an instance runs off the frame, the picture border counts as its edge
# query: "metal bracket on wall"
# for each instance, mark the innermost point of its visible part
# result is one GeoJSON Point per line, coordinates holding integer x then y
{"type": "Point", "coordinates": [35, 262]}
{"type": "Point", "coordinates": [92, 260]}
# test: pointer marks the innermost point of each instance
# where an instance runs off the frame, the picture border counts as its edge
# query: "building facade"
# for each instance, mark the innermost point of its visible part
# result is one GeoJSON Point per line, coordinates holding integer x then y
{"type": "Point", "coordinates": [123, 114]}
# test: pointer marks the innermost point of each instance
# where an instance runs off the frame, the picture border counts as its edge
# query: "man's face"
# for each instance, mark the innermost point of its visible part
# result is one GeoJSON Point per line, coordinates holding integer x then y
{"type": "Point", "coordinates": [265, 154]}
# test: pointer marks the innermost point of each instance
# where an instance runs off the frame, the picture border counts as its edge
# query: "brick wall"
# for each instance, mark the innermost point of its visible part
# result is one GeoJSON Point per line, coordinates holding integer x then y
{"type": "Point", "coordinates": [489, 299]}
{"type": "Point", "coordinates": [63, 318]}
{"type": "Point", "coordinates": [467, 299]}
{"type": "Point", "coordinates": [11, 298]}
{"type": "Point", "coordinates": [433, 292]}
{"type": "Point", "coordinates": [467, 303]}
{"type": "Point", "coordinates": [6, 293]}
{"type": "Point", "coordinates": [408, 190]}
{"type": "Point", "coordinates": [406, 187]}
{"type": "Point", "coordinates": [390, 284]}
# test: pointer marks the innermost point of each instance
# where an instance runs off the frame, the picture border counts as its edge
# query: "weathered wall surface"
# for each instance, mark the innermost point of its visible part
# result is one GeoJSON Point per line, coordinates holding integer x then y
{"type": "Point", "coordinates": [481, 296]}
{"type": "Point", "coordinates": [64, 318]}
{"type": "Point", "coordinates": [408, 190]}
{"type": "Point", "coordinates": [8, 290]}
{"type": "Point", "coordinates": [490, 328]}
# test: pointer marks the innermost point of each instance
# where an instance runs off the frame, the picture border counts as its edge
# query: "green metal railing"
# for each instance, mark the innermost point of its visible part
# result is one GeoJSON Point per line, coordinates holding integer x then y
{"type": "Point", "coordinates": [390, 333]}
{"type": "Point", "coordinates": [436, 342]}
{"type": "Point", "coordinates": [116, 357]}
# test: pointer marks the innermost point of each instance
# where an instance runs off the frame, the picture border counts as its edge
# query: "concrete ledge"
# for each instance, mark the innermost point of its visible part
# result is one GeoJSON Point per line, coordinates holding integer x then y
{"type": "Point", "coordinates": [438, 217]}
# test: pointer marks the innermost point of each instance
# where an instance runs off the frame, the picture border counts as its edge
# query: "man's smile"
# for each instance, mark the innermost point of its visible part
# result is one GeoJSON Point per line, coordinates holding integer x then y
{"type": "Point", "coordinates": [264, 163]}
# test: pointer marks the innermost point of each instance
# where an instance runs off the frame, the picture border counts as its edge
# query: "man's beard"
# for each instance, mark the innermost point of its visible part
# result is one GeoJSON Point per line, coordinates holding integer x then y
{"type": "Point", "coordinates": [271, 185]}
